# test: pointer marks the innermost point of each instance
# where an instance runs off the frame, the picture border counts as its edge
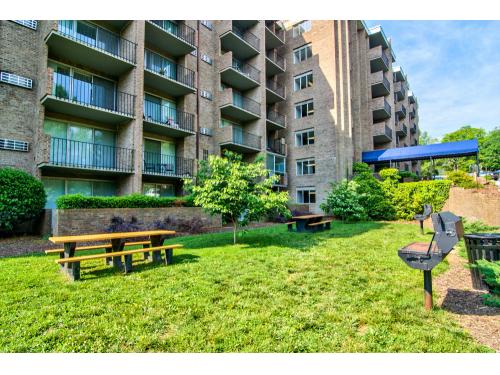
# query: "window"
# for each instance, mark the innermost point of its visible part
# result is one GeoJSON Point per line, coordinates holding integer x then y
{"type": "Point", "coordinates": [306, 167]}
{"type": "Point", "coordinates": [306, 195]}
{"type": "Point", "coordinates": [206, 94]}
{"type": "Point", "coordinates": [275, 163]}
{"type": "Point", "coordinates": [207, 24]}
{"type": "Point", "coordinates": [304, 109]}
{"type": "Point", "coordinates": [159, 157]}
{"type": "Point", "coordinates": [14, 79]}
{"type": "Point", "coordinates": [301, 28]}
{"type": "Point", "coordinates": [205, 154]}
{"type": "Point", "coordinates": [302, 53]}
{"type": "Point", "coordinates": [32, 24]}
{"type": "Point", "coordinates": [303, 81]}
{"type": "Point", "coordinates": [161, 110]}
{"type": "Point", "coordinates": [158, 190]}
{"type": "Point", "coordinates": [304, 138]}
{"type": "Point", "coordinates": [56, 187]}
{"type": "Point", "coordinates": [13, 144]}
{"type": "Point", "coordinates": [224, 122]}
{"type": "Point", "coordinates": [207, 59]}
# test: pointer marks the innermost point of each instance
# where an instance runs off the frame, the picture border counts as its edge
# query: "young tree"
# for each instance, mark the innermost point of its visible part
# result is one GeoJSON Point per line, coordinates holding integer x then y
{"type": "Point", "coordinates": [490, 151]}
{"type": "Point", "coordinates": [240, 191]}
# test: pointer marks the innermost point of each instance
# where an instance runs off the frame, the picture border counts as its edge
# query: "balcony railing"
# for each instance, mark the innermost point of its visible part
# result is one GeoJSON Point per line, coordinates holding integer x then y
{"type": "Point", "coordinates": [76, 154]}
{"type": "Point", "coordinates": [275, 57]}
{"type": "Point", "coordinates": [278, 31]}
{"type": "Point", "coordinates": [98, 38]}
{"type": "Point", "coordinates": [246, 69]}
{"type": "Point", "coordinates": [276, 146]}
{"type": "Point", "coordinates": [247, 36]}
{"type": "Point", "coordinates": [180, 30]}
{"type": "Point", "coordinates": [168, 116]}
{"type": "Point", "coordinates": [276, 117]}
{"type": "Point", "coordinates": [167, 165]}
{"type": "Point", "coordinates": [283, 178]}
{"type": "Point", "coordinates": [82, 91]}
{"type": "Point", "coordinates": [162, 66]}
{"type": "Point", "coordinates": [403, 129]}
{"type": "Point", "coordinates": [243, 138]}
{"type": "Point", "coordinates": [275, 87]}
{"type": "Point", "coordinates": [245, 103]}
{"type": "Point", "coordinates": [401, 110]}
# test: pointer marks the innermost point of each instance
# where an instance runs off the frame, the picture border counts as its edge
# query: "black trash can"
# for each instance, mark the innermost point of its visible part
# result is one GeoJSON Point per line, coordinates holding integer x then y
{"type": "Point", "coordinates": [481, 246]}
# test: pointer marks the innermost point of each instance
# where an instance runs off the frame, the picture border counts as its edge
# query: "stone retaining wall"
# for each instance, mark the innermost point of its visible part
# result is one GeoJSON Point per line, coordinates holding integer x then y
{"type": "Point", "coordinates": [475, 204]}
{"type": "Point", "coordinates": [88, 221]}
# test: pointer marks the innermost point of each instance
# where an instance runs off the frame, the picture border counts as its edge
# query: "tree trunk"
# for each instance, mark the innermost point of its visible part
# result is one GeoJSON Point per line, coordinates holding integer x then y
{"type": "Point", "coordinates": [235, 227]}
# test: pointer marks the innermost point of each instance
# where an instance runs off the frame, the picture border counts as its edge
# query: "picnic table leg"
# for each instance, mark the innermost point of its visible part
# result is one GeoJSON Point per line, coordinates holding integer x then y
{"type": "Point", "coordinates": [117, 245]}
{"type": "Point", "coordinates": [128, 263]}
{"type": "Point", "coordinates": [69, 251]}
{"type": "Point", "coordinates": [168, 256]}
{"type": "Point", "coordinates": [146, 255]}
{"type": "Point", "coordinates": [156, 241]}
{"type": "Point", "coordinates": [74, 271]}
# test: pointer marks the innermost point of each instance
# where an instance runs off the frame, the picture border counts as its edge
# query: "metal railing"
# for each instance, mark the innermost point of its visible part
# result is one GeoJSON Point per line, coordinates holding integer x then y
{"type": "Point", "coordinates": [278, 31]}
{"type": "Point", "coordinates": [247, 36]}
{"type": "Point", "coordinates": [98, 38]}
{"type": "Point", "coordinates": [276, 146]}
{"type": "Point", "coordinates": [386, 83]}
{"type": "Point", "coordinates": [180, 30]}
{"type": "Point", "coordinates": [241, 137]}
{"type": "Point", "coordinates": [167, 165]}
{"type": "Point", "coordinates": [245, 103]}
{"type": "Point", "coordinates": [274, 56]}
{"type": "Point", "coordinates": [387, 132]}
{"type": "Point", "coordinates": [402, 110]}
{"type": "Point", "coordinates": [403, 128]}
{"type": "Point", "coordinates": [387, 107]}
{"type": "Point", "coordinates": [276, 117]}
{"type": "Point", "coordinates": [384, 58]}
{"type": "Point", "coordinates": [283, 178]}
{"type": "Point", "coordinates": [162, 66]}
{"type": "Point", "coordinates": [275, 87]}
{"type": "Point", "coordinates": [69, 153]}
{"type": "Point", "coordinates": [168, 116]}
{"type": "Point", "coordinates": [85, 92]}
{"type": "Point", "coordinates": [413, 128]}
{"type": "Point", "coordinates": [246, 69]}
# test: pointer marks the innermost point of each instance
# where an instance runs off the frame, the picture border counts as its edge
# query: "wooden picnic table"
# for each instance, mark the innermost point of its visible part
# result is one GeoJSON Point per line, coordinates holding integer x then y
{"type": "Point", "coordinates": [117, 242]}
{"type": "Point", "coordinates": [302, 221]}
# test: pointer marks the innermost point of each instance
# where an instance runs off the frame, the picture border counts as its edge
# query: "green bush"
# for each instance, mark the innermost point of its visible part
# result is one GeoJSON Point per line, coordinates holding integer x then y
{"type": "Point", "coordinates": [71, 201]}
{"type": "Point", "coordinates": [462, 179]}
{"type": "Point", "coordinates": [477, 226]}
{"type": "Point", "coordinates": [22, 197]}
{"type": "Point", "coordinates": [344, 202]}
{"type": "Point", "coordinates": [391, 174]}
{"type": "Point", "coordinates": [408, 198]}
{"type": "Point", "coordinates": [491, 274]}
{"type": "Point", "coordinates": [408, 174]}
{"type": "Point", "coordinates": [360, 167]}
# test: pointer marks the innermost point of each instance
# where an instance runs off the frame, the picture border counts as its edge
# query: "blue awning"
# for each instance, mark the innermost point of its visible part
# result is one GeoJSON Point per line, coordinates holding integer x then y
{"type": "Point", "coordinates": [434, 151]}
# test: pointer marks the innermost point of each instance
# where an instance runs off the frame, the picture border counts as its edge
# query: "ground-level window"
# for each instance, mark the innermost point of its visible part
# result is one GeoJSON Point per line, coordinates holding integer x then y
{"type": "Point", "coordinates": [306, 195]}
{"type": "Point", "coordinates": [302, 53]}
{"type": "Point", "coordinates": [304, 109]}
{"type": "Point", "coordinates": [306, 166]}
{"type": "Point", "coordinates": [304, 137]}
{"type": "Point", "coordinates": [301, 27]}
{"type": "Point", "coordinates": [56, 187]}
{"type": "Point", "coordinates": [302, 81]}
{"type": "Point", "coordinates": [158, 190]}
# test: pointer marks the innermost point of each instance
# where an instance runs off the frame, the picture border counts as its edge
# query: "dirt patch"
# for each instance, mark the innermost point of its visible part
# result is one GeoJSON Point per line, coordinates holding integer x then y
{"type": "Point", "coordinates": [457, 296]}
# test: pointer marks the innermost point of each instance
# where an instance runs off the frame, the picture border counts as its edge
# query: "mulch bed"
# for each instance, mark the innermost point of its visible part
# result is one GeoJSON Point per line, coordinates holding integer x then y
{"type": "Point", "coordinates": [457, 296]}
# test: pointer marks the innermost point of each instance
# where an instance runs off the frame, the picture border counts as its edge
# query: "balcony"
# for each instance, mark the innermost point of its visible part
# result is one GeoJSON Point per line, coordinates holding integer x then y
{"type": "Point", "coordinates": [413, 128]}
{"type": "Point", "coordinates": [156, 164]}
{"type": "Point", "coordinates": [283, 179]}
{"type": "Point", "coordinates": [377, 37]}
{"type": "Point", "coordinates": [275, 63]}
{"type": "Point", "coordinates": [161, 119]}
{"type": "Point", "coordinates": [241, 42]}
{"type": "Point", "coordinates": [275, 35]}
{"type": "Point", "coordinates": [399, 91]}
{"type": "Point", "coordinates": [235, 139]}
{"type": "Point", "coordinates": [411, 97]}
{"type": "Point", "coordinates": [381, 133]}
{"type": "Point", "coordinates": [413, 113]}
{"type": "Point", "coordinates": [400, 111]}
{"type": "Point", "coordinates": [381, 110]}
{"type": "Point", "coordinates": [276, 146]}
{"type": "Point", "coordinates": [81, 98]}
{"type": "Point", "coordinates": [275, 120]}
{"type": "Point", "coordinates": [175, 39]}
{"type": "Point", "coordinates": [167, 76]}
{"type": "Point", "coordinates": [401, 130]}
{"type": "Point", "coordinates": [274, 92]}
{"type": "Point", "coordinates": [378, 60]}
{"type": "Point", "coordinates": [239, 107]}
{"type": "Point", "coordinates": [238, 74]}
{"type": "Point", "coordinates": [380, 85]}
{"type": "Point", "coordinates": [399, 75]}
{"type": "Point", "coordinates": [92, 46]}
{"type": "Point", "coordinates": [76, 155]}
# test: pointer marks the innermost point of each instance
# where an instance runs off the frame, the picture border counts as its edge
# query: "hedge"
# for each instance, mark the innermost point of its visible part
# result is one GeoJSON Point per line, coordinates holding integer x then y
{"type": "Point", "coordinates": [408, 198]}
{"type": "Point", "coordinates": [72, 201]}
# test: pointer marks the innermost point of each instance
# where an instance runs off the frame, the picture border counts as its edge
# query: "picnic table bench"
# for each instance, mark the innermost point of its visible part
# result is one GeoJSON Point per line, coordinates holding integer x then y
{"type": "Point", "coordinates": [310, 223]}
{"type": "Point", "coordinates": [112, 253]}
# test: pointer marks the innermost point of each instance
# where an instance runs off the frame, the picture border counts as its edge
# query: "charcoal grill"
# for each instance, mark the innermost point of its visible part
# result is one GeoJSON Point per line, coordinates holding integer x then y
{"type": "Point", "coordinates": [448, 230]}
{"type": "Point", "coordinates": [423, 216]}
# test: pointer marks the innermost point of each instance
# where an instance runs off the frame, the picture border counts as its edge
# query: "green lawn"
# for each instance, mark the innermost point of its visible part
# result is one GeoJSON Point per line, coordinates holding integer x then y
{"type": "Point", "coordinates": [344, 290]}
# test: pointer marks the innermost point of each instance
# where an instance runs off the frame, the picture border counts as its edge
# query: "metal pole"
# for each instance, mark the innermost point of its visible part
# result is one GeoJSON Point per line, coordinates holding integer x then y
{"type": "Point", "coordinates": [477, 163]}
{"type": "Point", "coordinates": [428, 290]}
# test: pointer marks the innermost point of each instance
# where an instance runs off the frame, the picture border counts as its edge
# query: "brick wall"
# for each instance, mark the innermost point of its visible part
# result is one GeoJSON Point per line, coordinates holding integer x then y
{"type": "Point", "coordinates": [88, 221]}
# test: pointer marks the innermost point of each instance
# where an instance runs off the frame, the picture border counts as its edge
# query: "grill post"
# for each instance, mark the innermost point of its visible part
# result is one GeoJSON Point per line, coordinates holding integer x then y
{"type": "Point", "coordinates": [428, 290]}
{"type": "Point", "coordinates": [421, 227]}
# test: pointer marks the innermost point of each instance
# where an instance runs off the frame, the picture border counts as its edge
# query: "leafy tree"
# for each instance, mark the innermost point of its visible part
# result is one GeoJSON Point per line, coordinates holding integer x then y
{"type": "Point", "coordinates": [240, 191]}
{"type": "Point", "coordinates": [489, 153]}
{"type": "Point", "coordinates": [462, 179]}
{"type": "Point", "coordinates": [464, 133]}
{"type": "Point", "coordinates": [344, 202]}
{"type": "Point", "coordinates": [426, 139]}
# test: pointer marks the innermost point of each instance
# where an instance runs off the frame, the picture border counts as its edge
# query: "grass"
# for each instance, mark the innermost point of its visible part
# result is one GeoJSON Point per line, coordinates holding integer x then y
{"type": "Point", "coordinates": [343, 290]}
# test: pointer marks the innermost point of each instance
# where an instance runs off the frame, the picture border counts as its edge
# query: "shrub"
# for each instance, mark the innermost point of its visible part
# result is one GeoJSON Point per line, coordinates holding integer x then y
{"type": "Point", "coordinates": [390, 174]}
{"type": "Point", "coordinates": [491, 275]}
{"type": "Point", "coordinates": [344, 202]}
{"type": "Point", "coordinates": [193, 225]}
{"type": "Point", "coordinates": [477, 226]}
{"type": "Point", "coordinates": [462, 179]}
{"type": "Point", "coordinates": [71, 201]}
{"type": "Point", "coordinates": [408, 198]}
{"type": "Point", "coordinates": [408, 174]}
{"type": "Point", "coordinates": [22, 197]}
{"type": "Point", "coordinates": [360, 167]}
{"type": "Point", "coordinates": [118, 224]}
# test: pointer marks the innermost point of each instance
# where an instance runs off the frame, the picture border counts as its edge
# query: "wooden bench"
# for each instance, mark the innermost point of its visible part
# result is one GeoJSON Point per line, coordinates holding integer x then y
{"type": "Point", "coordinates": [290, 225]}
{"type": "Point", "coordinates": [73, 263]}
{"type": "Point", "coordinates": [321, 224]}
{"type": "Point", "coordinates": [95, 247]}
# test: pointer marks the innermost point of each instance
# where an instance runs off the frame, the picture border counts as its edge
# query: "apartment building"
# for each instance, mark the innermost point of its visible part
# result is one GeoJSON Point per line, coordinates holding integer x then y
{"type": "Point", "coordinates": [119, 107]}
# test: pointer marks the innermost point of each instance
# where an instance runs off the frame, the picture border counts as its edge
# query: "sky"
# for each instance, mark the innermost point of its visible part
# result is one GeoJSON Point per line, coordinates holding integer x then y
{"type": "Point", "coordinates": [453, 68]}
